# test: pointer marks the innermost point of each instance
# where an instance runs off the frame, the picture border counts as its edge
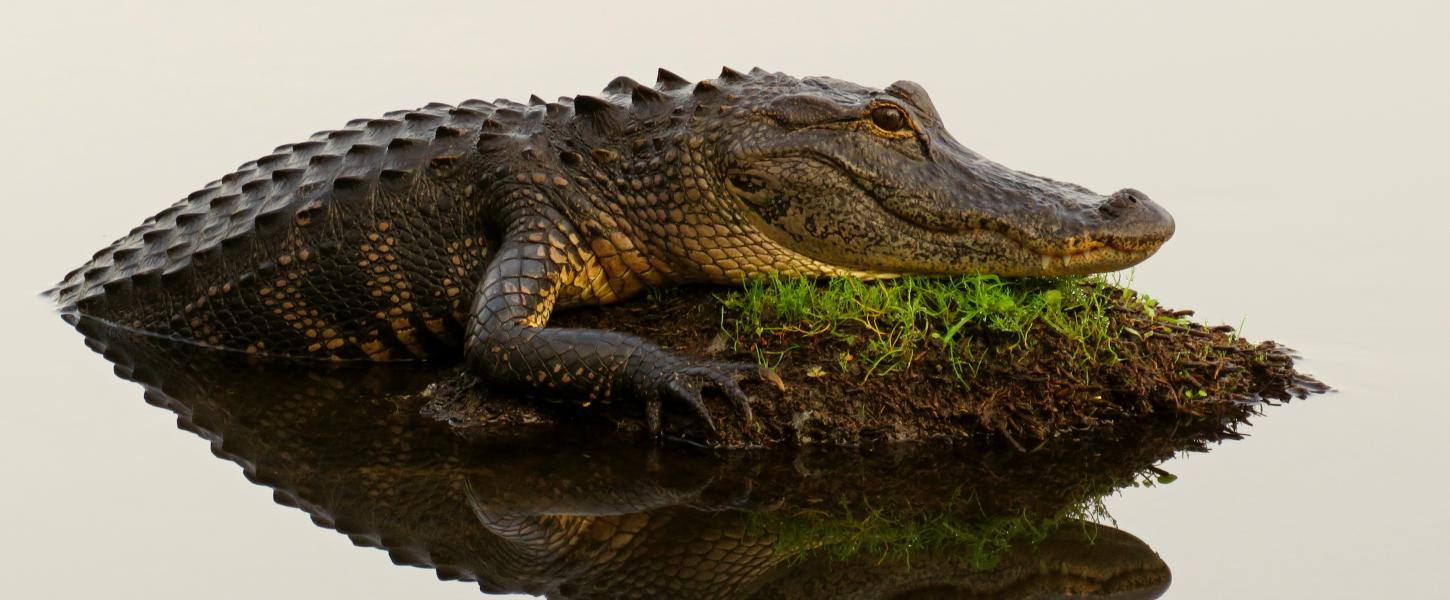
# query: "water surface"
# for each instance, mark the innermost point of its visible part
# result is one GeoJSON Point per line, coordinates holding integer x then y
{"type": "Point", "coordinates": [576, 513]}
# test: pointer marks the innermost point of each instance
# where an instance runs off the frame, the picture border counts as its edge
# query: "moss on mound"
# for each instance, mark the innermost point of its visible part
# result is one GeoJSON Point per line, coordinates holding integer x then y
{"type": "Point", "coordinates": [950, 358]}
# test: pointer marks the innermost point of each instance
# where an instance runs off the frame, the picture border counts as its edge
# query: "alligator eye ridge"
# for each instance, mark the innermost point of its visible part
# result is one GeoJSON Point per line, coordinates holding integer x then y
{"type": "Point", "coordinates": [888, 118]}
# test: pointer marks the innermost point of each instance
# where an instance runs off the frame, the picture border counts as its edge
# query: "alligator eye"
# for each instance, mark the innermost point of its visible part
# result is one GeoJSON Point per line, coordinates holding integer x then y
{"type": "Point", "coordinates": [749, 188]}
{"type": "Point", "coordinates": [888, 118]}
{"type": "Point", "coordinates": [747, 184]}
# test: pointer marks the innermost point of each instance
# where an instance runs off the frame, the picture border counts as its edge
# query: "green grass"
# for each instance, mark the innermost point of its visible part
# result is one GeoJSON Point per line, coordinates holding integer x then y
{"type": "Point", "coordinates": [888, 323]}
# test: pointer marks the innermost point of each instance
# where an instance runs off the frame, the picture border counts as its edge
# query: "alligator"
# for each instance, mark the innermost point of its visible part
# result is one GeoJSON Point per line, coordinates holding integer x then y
{"type": "Point", "coordinates": [451, 230]}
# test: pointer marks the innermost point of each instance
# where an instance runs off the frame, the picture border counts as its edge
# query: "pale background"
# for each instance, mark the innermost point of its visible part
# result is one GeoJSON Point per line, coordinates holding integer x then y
{"type": "Point", "coordinates": [1302, 146]}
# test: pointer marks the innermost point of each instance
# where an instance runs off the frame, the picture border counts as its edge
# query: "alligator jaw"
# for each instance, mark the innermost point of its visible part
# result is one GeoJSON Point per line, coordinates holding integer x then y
{"type": "Point", "coordinates": [1098, 260]}
{"type": "Point", "coordinates": [1018, 254]}
{"type": "Point", "coordinates": [1037, 226]}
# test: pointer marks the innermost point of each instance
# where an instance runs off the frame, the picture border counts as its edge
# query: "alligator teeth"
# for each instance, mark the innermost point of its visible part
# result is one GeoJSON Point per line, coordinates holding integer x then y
{"type": "Point", "coordinates": [1046, 262]}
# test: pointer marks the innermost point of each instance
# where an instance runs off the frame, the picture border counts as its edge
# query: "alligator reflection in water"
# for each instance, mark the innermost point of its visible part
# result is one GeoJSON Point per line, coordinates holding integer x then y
{"type": "Point", "coordinates": [567, 514]}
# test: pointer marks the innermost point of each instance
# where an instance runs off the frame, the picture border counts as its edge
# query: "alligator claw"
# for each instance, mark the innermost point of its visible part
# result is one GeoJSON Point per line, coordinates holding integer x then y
{"type": "Point", "coordinates": [688, 384]}
{"type": "Point", "coordinates": [687, 389]}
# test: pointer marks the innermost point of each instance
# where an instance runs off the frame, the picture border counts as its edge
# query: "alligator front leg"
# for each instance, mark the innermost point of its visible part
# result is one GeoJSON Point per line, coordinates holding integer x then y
{"type": "Point", "coordinates": [508, 342]}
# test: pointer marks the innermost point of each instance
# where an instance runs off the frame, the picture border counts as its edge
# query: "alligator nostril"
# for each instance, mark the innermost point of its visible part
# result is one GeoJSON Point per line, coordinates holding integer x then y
{"type": "Point", "coordinates": [1133, 195]}
{"type": "Point", "coordinates": [1125, 200]}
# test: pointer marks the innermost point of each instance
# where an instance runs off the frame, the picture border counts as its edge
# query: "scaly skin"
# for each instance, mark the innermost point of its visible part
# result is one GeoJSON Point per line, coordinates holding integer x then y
{"type": "Point", "coordinates": [519, 511]}
{"type": "Point", "coordinates": [446, 228]}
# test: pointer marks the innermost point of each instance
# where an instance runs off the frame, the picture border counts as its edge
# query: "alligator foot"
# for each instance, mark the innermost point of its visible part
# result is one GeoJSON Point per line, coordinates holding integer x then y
{"type": "Point", "coordinates": [687, 385]}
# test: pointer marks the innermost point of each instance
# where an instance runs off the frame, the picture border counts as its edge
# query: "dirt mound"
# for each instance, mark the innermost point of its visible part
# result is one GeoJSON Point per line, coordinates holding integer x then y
{"type": "Point", "coordinates": [956, 360]}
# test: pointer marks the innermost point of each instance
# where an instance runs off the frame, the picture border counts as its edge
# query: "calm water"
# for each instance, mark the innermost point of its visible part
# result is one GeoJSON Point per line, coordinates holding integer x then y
{"type": "Point", "coordinates": [1301, 148]}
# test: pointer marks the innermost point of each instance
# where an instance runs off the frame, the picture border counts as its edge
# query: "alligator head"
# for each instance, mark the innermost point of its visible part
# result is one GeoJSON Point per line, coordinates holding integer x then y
{"type": "Point", "coordinates": [871, 181]}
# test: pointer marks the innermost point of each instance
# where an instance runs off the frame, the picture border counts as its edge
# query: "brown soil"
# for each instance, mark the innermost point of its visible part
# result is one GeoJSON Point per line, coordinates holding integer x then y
{"type": "Point", "coordinates": [1021, 394]}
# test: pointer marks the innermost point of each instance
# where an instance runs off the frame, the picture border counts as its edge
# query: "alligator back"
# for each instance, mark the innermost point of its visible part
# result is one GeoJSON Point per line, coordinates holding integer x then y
{"type": "Point", "coordinates": [255, 261]}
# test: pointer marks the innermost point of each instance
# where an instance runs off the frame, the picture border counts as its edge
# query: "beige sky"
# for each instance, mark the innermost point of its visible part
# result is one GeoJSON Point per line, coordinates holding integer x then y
{"type": "Point", "coordinates": [1302, 147]}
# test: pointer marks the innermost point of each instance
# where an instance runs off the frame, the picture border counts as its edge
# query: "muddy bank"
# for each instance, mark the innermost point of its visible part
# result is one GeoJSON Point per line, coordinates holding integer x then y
{"type": "Point", "coordinates": [981, 382]}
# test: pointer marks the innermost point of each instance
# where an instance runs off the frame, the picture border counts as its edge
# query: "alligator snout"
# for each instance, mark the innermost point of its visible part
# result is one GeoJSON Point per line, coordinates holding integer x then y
{"type": "Point", "coordinates": [1043, 226]}
{"type": "Point", "coordinates": [1133, 221]}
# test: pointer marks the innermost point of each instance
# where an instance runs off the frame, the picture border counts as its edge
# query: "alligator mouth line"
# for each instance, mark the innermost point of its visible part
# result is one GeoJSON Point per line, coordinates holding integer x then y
{"type": "Point", "coordinates": [1071, 251]}
{"type": "Point", "coordinates": [1106, 255]}
{"type": "Point", "coordinates": [1072, 255]}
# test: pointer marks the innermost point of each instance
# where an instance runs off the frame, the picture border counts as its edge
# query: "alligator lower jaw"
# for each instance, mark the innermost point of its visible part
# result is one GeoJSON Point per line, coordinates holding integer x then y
{"type": "Point", "coordinates": [1080, 255]}
{"type": "Point", "coordinates": [1100, 259]}
{"type": "Point", "coordinates": [1067, 256]}
{"type": "Point", "coordinates": [1071, 256]}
